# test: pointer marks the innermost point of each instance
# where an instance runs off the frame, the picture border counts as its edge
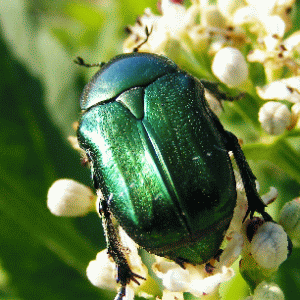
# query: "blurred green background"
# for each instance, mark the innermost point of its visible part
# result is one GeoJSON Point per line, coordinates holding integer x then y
{"type": "Point", "coordinates": [43, 256]}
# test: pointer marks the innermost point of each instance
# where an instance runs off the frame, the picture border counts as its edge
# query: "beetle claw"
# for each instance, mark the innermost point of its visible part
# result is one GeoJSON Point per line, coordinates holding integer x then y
{"type": "Point", "coordinates": [125, 275]}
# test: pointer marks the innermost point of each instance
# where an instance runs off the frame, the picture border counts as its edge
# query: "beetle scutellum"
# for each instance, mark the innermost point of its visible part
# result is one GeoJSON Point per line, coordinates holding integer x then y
{"type": "Point", "coordinates": [160, 157]}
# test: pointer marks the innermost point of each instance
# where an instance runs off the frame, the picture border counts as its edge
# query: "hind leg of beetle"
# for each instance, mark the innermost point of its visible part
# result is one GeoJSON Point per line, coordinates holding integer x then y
{"type": "Point", "coordinates": [254, 201]}
{"type": "Point", "coordinates": [232, 144]}
{"type": "Point", "coordinates": [115, 250]}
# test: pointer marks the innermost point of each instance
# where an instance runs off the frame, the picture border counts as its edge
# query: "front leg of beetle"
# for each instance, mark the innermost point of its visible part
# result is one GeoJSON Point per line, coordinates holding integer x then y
{"type": "Point", "coordinates": [213, 88]}
{"type": "Point", "coordinates": [115, 250]}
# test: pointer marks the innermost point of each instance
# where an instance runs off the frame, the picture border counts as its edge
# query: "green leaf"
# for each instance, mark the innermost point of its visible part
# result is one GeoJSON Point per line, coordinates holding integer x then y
{"type": "Point", "coordinates": [280, 152]}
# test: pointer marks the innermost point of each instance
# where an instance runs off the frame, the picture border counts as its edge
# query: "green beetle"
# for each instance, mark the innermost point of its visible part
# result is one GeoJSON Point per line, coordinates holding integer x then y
{"type": "Point", "coordinates": [160, 157]}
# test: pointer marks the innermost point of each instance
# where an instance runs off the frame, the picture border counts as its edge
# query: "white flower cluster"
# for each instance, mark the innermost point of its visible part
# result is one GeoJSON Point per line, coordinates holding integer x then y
{"type": "Point", "coordinates": [236, 34]}
{"type": "Point", "coordinates": [268, 247]}
{"type": "Point", "coordinates": [219, 40]}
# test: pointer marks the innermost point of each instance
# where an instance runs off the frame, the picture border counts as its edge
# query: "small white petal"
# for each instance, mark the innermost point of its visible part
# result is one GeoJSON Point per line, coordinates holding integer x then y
{"type": "Point", "coordinates": [265, 7]}
{"type": "Point", "coordinates": [292, 41]}
{"type": "Point", "coordinates": [247, 14]}
{"type": "Point", "coordinates": [208, 285]}
{"type": "Point", "coordinates": [269, 245]}
{"type": "Point", "coordinates": [129, 294]}
{"type": "Point", "coordinates": [101, 271]}
{"type": "Point", "coordinates": [228, 7]}
{"type": "Point", "coordinates": [284, 89]}
{"type": "Point", "coordinates": [268, 291]}
{"type": "Point", "coordinates": [167, 295]}
{"type": "Point", "coordinates": [276, 90]}
{"type": "Point", "coordinates": [274, 25]}
{"type": "Point", "coordinates": [174, 278]}
{"type": "Point", "coordinates": [270, 42]}
{"type": "Point", "coordinates": [232, 251]}
{"type": "Point", "coordinates": [176, 18]}
{"type": "Point", "coordinates": [230, 67]}
{"type": "Point", "coordinates": [274, 117]}
{"type": "Point", "coordinates": [257, 55]}
{"type": "Point", "coordinates": [192, 279]}
{"type": "Point", "coordinates": [67, 197]}
{"type": "Point", "coordinates": [270, 196]}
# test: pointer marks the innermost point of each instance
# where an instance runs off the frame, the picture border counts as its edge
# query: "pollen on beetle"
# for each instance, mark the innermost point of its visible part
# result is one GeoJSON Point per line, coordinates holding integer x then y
{"type": "Point", "coordinates": [69, 198]}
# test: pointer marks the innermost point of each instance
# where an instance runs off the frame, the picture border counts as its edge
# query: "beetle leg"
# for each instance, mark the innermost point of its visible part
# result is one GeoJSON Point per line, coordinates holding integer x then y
{"type": "Point", "coordinates": [232, 144]}
{"type": "Point", "coordinates": [114, 249]}
{"type": "Point", "coordinates": [213, 88]}
{"type": "Point", "coordinates": [254, 201]}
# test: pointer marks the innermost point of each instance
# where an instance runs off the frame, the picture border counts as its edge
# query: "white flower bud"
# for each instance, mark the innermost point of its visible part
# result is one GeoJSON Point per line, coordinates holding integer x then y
{"type": "Point", "coordinates": [274, 117]}
{"type": "Point", "coordinates": [289, 219]}
{"type": "Point", "coordinates": [268, 291]}
{"type": "Point", "coordinates": [269, 245]}
{"type": "Point", "coordinates": [230, 67]}
{"type": "Point", "coordinates": [101, 272]}
{"type": "Point", "coordinates": [69, 198]}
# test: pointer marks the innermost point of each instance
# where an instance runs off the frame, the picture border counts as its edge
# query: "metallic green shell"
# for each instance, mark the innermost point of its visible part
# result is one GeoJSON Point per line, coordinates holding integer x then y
{"type": "Point", "coordinates": [166, 167]}
{"type": "Point", "coordinates": [122, 73]}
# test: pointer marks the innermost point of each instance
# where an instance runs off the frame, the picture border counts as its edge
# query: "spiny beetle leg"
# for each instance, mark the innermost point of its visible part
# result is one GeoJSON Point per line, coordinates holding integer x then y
{"type": "Point", "coordinates": [125, 275]}
{"type": "Point", "coordinates": [254, 201]}
{"type": "Point", "coordinates": [114, 248]}
{"type": "Point", "coordinates": [232, 144]}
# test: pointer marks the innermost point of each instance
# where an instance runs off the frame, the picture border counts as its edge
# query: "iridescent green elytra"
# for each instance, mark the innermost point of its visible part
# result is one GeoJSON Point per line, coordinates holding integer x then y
{"type": "Point", "coordinates": [160, 157]}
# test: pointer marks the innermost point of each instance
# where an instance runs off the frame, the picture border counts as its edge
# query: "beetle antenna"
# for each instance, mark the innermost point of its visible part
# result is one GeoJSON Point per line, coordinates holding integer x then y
{"type": "Point", "coordinates": [136, 49]}
{"type": "Point", "coordinates": [80, 61]}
